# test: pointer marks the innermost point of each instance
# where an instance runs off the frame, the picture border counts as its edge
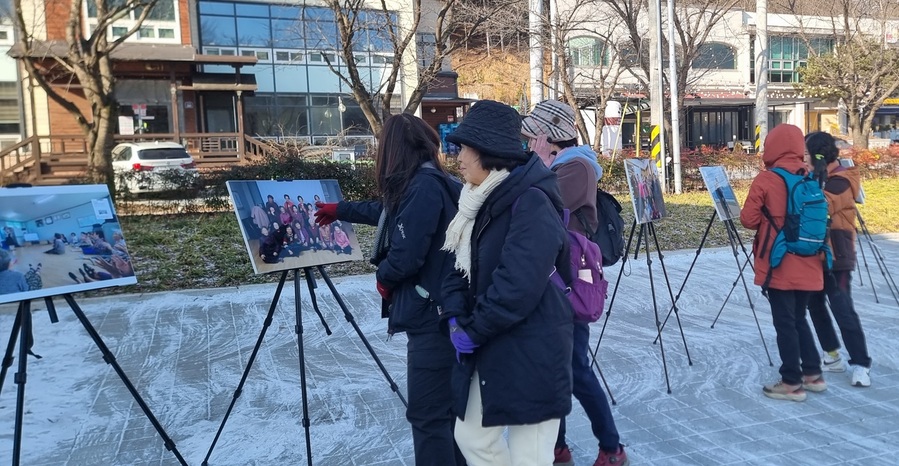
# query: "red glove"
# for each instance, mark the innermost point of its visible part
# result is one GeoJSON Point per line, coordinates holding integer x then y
{"type": "Point", "coordinates": [326, 214]}
{"type": "Point", "coordinates": [384, 292]}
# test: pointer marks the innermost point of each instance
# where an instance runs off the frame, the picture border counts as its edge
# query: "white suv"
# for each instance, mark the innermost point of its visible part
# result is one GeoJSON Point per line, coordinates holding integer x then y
{"type": "Point", "coordinates": [142, 167]}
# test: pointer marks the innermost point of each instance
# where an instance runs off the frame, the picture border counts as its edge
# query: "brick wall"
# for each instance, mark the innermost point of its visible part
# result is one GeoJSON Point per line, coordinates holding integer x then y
{"type": "Point", "coordinates": [57, 15]}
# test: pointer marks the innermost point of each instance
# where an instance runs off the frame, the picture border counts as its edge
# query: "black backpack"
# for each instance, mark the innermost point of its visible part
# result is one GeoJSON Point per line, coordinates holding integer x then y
{"type": "Point", "coordinates": [610, 234]}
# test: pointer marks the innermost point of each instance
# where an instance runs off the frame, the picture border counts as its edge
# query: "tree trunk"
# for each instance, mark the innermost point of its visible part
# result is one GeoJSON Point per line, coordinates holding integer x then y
{"type": "Point", "coordinates": [859, 132]}
{"type": "Point", "coordinates": [600, 124]}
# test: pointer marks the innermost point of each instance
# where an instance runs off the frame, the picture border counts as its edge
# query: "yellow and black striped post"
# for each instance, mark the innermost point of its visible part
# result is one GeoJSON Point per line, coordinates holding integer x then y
{"type": "Point", "coordinates": [758, 138]}
{"type": "Point", "coordinates": [655, 145]}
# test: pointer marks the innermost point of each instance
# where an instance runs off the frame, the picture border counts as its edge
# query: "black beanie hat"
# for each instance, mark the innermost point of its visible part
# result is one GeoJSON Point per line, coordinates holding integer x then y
{"type": "Point", "coordinates": [491, 128]}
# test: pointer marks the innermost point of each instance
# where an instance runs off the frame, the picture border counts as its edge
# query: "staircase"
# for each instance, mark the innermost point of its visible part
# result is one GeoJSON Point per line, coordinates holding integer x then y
{"type": "Point", "coordinates": [56, 160]}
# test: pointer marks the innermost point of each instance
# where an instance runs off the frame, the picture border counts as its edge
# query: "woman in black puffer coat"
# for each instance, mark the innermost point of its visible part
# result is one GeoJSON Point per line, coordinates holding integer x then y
{"type": "Point", "coordinates": [418, 200]}
{"type": "Point", "coordinates": [510, 325]}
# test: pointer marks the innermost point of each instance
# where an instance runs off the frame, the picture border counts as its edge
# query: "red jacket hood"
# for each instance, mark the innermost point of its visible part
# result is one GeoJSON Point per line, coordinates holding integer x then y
{"type": "Point", "coordinates": [785, 148]}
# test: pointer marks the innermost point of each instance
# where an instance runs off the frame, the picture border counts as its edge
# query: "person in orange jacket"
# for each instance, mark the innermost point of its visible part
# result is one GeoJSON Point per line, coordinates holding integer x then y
{"type": "Point", "coordinates": [842, 187]}
{"type": "Point", "coordinates": [793, 282]}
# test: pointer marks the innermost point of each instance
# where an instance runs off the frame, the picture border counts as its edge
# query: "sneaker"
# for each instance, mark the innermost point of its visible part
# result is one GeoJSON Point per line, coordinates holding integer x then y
{"type": "Point", "coordinates": [618, 458]}
{"type": "Point", "coordinates": [832, 363]}
{"type": "Point", "coordinates": [861, 376]}
{"type": "Point", "coordinates": [782, 391]}
{"type": "Point", "coordinates": [814, 383]}
{"type": "Point", "coordinates": [562, 457]}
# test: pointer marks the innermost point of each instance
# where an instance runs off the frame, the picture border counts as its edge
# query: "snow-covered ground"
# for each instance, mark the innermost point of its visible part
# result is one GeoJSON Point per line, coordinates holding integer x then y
{"type": "Point", "coordinates": [186, 351]}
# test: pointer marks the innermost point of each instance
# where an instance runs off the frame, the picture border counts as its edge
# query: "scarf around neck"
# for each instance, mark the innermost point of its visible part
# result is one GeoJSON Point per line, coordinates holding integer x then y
{"type": "Point", "coordinates": [458, 235]}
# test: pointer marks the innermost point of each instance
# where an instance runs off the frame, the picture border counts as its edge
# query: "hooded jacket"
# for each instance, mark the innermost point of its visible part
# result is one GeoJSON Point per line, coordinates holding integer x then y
{"type": "Point", "coordinates": [417, 231]}
{"type": "Point", "coordinates": [784, 148]}
{"type": "Point", "coordinates": [521, 322]}
{"type": "Point", "coordinates": [578, 173]}
{"type": "Point", "coordinates": [842, 188]}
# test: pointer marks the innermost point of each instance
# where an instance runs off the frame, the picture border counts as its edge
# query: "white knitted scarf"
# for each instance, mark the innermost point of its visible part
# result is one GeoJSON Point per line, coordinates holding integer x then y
{"type": "Point", "coordinates": [458, 235]}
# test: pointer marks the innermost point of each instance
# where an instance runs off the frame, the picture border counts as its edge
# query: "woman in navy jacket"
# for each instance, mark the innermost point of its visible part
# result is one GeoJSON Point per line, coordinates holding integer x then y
{"type": "Point", "coordinates": [511, 326]}
{"type": "Point", "coordinates": [418, 200]}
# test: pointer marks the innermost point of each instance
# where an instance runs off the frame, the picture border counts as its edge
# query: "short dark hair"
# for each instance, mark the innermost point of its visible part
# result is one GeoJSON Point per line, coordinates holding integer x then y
{"type": "Point", "coordinates": [492, 162]}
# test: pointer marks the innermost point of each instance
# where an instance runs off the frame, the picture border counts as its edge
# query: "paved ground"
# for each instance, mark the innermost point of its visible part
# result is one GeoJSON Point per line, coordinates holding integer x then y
{"type": "Point", "coordinates": [185, 352]}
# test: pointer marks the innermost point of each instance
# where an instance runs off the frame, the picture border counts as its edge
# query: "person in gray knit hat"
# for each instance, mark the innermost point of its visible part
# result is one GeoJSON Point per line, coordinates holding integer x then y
{"type": "Point", "coordinates": [552, 135]}
{"type": "Point", "coordinates": [511, 329]}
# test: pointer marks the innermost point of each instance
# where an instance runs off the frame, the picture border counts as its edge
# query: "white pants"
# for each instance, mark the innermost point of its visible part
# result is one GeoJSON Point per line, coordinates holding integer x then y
{"type": "Point", "coordinates": [528, 445]}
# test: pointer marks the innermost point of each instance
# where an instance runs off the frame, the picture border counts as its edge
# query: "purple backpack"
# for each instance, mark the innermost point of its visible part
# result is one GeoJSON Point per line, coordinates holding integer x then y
{"type": "Point", "coordinates": [587, 298]}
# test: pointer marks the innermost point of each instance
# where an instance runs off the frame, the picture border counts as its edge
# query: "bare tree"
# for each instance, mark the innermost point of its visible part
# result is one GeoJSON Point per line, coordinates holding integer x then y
{"type": "Point", "coordinates": [693, 23]}
{"type": "Point", "coordinates": [434, 29]}
{"type": "Point", "coordinates": [588, 72]}
{"type": "Point", "coordinates": [849, 57]}
{"type": "Point", "coordinates": [85, 60]}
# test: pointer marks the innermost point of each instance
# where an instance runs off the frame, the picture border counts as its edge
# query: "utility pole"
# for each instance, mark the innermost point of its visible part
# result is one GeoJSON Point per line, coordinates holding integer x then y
{"type": "Point", "coordinates": [656, 86]}
{"type": "Point", "coordinates": [675, 108]}
{"type": "Point", "coordinates": [535, 44]}
{"type": "Point", "coordinates": [761, 74]}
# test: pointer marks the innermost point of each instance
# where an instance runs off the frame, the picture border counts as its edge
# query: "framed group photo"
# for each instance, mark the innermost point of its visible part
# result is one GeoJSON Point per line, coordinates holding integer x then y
{"type": "Point", "coordinates": [277, 220]}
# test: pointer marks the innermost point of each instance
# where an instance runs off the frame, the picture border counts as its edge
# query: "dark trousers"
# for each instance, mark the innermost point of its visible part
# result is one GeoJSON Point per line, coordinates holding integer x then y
{"type": "Point", "coordinates": [430, 362]}
{"type": "Point", "coordinates": [589, 393]}
{"type": "Point", "coordinates": [838, 290]}
{"type": "Point", "coordinates": [798, 353]}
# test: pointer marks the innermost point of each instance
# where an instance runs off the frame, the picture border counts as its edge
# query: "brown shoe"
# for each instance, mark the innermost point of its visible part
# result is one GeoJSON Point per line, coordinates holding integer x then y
{"type": "Point", "coordinates": [782, 391]}
{"type": "Point", "coordinates": [814, 383]}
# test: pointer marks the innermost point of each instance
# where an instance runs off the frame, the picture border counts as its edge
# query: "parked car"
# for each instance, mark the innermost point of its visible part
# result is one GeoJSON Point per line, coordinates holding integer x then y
{"type": "Point", "coordinates": [142, 167]}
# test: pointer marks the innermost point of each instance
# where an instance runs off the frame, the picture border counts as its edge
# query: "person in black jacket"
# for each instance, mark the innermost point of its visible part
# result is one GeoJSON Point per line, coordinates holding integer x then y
{"type": "Point", "coordinates": [512, 328]}
{"type": "Point", "coordinates": [418, 200]}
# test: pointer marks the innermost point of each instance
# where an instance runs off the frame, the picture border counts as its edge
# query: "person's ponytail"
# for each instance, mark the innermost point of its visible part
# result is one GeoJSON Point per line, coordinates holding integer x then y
{"type": "Point", "coordinates": [822, 149]}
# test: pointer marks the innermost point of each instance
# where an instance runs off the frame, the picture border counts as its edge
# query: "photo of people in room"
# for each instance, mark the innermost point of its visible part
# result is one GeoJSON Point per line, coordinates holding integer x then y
{"type": "Point", "coordinates": [646, 190]}
{"type": "Point", "coordinates": [58, 240]}
{"type": "Point", "coordinates": [277, 221]}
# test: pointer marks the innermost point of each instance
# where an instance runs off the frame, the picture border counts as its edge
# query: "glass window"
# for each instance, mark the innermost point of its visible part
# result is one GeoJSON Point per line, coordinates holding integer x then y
{"type": "Point", "coordinates": [163, 11]}
{"type": "Point", "coordinates": [147, 33]}
{"type": "Point", "coordinates": [265, 77]}
{"type": "Point", "coordinates": [297, 100]}
{"type": "Point", "coordinates": [379, 40]}
{"type": "Point", "coordinates": [354, 121]}
{"type": "Point", "coordinates": [4, 35]}
{"type": "Point", "coordinates": [253, 32]}
{"type": "Point", "coordinates": [216, 8]}
{"type": "Point", "coordinates": [715, 56]}
{"type": "Point", "coordinates": [252, 9]}
{"type": "Point", "coordinates": [216, 30]}
{"type": "Point", "coordinates": [293, 120]}
{"type": "Point", "coordinates": [318, 14]}
{"type": "Point", "coordinates": [321, 35]}
{"type": "Point", "coordinates": [291, 78]}
{"type": "Point", "coordinates": [259, 116]}
{"type": "Point", "coordinates": [119, 31]}
{"type": "Point", "coordinates": [287, 33]}
{"type": "Point", "coordinates": [587, 51]}
{"type": "Point", "coordinates": [166, 33]}
{"type": "Point", "coordinates": [325, 120]}
{"type": "Point", "coordinates": [288, 12]}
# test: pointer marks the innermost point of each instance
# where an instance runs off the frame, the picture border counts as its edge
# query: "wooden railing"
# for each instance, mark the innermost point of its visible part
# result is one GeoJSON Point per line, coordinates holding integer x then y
{"type": "Point", "coordinates": [56, 159]}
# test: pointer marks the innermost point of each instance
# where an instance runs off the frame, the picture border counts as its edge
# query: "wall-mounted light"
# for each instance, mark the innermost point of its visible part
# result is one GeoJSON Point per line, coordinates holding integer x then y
{"type": "Point", "coordinates": [433, 110]}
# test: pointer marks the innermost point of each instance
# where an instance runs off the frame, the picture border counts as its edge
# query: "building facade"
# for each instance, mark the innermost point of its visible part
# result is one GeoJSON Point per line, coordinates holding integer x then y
{"type": "Point", "coordinates": [720, 93]}
{"type": "Point", "coordinates": [256, 68]}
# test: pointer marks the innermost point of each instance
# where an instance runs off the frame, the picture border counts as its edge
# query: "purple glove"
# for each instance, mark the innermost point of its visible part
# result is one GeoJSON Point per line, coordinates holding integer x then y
{"type": "Point", "coordinates": [460, 339]}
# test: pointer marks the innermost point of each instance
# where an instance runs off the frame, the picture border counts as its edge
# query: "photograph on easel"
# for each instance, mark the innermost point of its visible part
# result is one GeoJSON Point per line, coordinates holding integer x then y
{"type": "Point", "coordinates": [723, 197]}
{"type": "Point", "coordinates": [849, 163]}
{"type": "Point", "coordinates": [277, 220]}
{"type": "Point", "coordinates": [58, 240]}
{"type": "Point", "coordinates": [646, 190]}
